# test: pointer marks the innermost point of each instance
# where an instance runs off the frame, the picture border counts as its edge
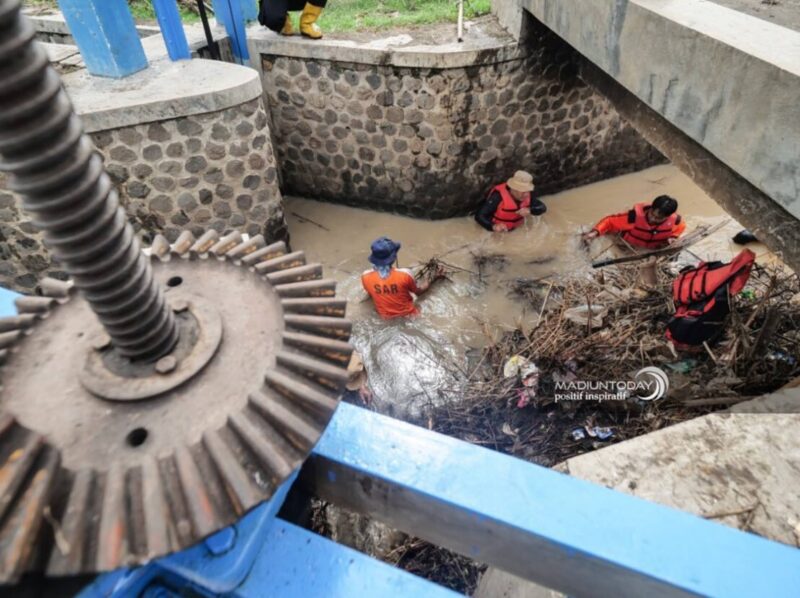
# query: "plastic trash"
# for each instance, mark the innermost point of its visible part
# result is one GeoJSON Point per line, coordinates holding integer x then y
{"type": "Point", "coordinates": [744, 236]}
{"type": "Point", "coordinates": [578, 434]}
{"type": "Point", "coordinates": [683, 367]}
{"type": "Point", "coordinates": [513, 365]}
{"type": "Point", "coordinates": [782, 357]}
{"type": "Point", "coordinates": [580, 315]}
{"type": "Point", "coordinates": [599, 432]}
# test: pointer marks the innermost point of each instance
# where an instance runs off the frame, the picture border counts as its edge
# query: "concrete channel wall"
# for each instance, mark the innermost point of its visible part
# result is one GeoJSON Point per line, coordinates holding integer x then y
{"type": "Point", "coordinates": [188, 147]}
{"type": "Point", "coordinates": [425, 130]}
{"type": "Point", "coordinates": [727, 80]}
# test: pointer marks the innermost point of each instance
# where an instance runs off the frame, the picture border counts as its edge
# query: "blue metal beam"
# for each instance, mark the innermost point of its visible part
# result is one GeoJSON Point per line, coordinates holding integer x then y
{"type": "Point", "coordinates": [169, 20]}
{"type": "Point", "coordinates": [232, 14]}
{"type": "Point", "coordinates": [106, 35]}
{"type": "Point", "coordinates": [536, 523]}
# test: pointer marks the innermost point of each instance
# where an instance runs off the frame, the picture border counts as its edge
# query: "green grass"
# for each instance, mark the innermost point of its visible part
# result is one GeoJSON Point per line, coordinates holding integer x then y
{"type": "Point", "coordinates": [356, 15]}
{"type": "Point", "coordinates": [345, 15]}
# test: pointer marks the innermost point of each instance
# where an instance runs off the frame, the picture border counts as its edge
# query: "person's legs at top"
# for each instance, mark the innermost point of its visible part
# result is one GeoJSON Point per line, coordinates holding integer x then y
{"type": "Point", "coordinates": [308, 20]}
{"type": "Point", "coordinates": [274, 14]}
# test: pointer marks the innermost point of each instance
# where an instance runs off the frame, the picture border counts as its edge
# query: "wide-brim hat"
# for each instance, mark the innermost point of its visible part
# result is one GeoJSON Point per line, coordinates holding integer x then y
{"type": "Point", "coordinates": [521, 181]}
{"type": "Point", "coordinates": [384, 251]}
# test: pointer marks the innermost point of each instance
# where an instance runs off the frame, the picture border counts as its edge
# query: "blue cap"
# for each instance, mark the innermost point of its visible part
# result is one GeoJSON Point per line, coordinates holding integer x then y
{"type": "Point", "coordinates": [384, 251]}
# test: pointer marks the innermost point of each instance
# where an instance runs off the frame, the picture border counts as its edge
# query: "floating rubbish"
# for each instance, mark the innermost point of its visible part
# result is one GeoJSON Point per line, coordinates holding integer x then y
{"type": "Point", "coordinates": [523, 398]}
{"type": "Point", "coordinates": [513, 365]}
{"type": "Point", "coordinates": [748, 294]}
{"type": "Point", "coordinates": [744, 236]}
{"type": "Point", "coordinates": [683, 367]}
{"type": "Point", "coordinates": [599, 432]}
{"type": "Point", "coordinates": [782, 357]}
{"type": "Point", "coordinates": [580, 315]}
{"type": "Point", "coordinates": [508, 430]}
{"type": "Point", "coordinates": [578, 434]}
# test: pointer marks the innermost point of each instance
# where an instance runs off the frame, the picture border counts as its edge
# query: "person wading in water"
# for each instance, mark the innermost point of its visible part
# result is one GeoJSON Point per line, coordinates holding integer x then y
{"type": "Point", "coordinates": [507, 204]}
{"type": "Point", "coordinates": [392, 289]}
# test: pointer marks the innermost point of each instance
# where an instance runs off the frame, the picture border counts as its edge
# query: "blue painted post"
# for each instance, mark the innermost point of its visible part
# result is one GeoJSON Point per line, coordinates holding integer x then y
{"type": "Point", "coordinates": [106, 36]}
{"type": "Point", "coordinates": [169, 20]}
{"type": "Point", "coordinates": [249, 9]}
{"type": "Point", "coordinates": [231, 14]}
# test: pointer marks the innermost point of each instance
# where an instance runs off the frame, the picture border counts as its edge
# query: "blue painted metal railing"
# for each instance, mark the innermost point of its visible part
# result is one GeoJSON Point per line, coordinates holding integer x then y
{"type": "Point", "coordinates": [233, 14]}
{"type": "Point", "coordinates": [169, 20]}
{"type": "Point", "coordinates": [106, 36]}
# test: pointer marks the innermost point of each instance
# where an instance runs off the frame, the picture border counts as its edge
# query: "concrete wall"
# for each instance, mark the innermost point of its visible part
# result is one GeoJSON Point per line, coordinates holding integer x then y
{"type": "Point", "coordinates": [426, 134]}
{"type": "Point", "coordinates": [727, 80]}
{"type": "Point", "coordinates": [212, 167]}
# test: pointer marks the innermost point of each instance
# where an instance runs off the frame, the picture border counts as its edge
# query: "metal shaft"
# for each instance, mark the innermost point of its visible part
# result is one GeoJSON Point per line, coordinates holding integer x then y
{"type": "Point", "coordinates": [64, 187]}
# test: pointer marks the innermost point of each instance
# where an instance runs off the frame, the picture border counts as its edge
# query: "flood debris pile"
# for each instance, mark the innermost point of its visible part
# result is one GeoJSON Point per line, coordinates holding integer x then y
{"type": "Point", "coordinates": [600, 327]}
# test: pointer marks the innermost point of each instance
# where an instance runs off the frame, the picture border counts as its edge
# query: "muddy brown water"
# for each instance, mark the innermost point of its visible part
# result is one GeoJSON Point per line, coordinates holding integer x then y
{"type": "Point", "coordinates": [407, 360]}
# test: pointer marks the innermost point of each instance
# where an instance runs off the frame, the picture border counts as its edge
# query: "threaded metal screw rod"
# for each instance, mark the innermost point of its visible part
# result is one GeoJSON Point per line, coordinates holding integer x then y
{"type": "Point", "coordinates": [67, 191]}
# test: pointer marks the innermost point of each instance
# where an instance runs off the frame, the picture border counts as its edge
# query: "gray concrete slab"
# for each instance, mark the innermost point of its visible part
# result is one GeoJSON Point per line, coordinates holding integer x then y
{"type": "Point", "coordinates": [726, 79]}
{"type": "Point", "coordinates": [394, 47]}
{"type": "Point", "coordinates": [780, 12]}
{"type": "Point", "coordinates": [165, 90]}
{"type": "Point", "coordinates": [740, 468]}
{"type": "Point", "coordinates": [59, 52]}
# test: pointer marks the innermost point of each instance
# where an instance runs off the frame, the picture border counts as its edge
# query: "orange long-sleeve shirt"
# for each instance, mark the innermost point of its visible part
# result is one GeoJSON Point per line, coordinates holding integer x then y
{"type": "Point", "coordinates": [620, 223]}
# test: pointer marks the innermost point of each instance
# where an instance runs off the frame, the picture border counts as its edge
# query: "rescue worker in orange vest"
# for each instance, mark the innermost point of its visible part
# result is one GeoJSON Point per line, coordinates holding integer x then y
{"type": "Point", "coordinates": [702, 296]}
{"type": "Point", "coordinates": [507, 204]}
{"type": "Point", "coordinates": [644, 226]}
{"type": "Point", "coordinates": [392, 289]}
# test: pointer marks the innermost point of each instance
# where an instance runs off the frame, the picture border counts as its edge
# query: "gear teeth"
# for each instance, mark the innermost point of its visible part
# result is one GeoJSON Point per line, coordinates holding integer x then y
{"type": "Point", "coordinates": [205, 242]}
{"type": "Point", "coordinates": [198, 502]}
{"type": "Point", "coordinates": [58, 289]}
{"type": "Point", "coordinates": [34, 305]}
{"type": "Point", "coordinates": [323, 287]}
{"type": "Point", "coordinates": [316, 306]}
{"type": "Point", "coordinates": [225, 244]}
{"type": "Point", "coordinates": [3, 356]}
{"type": "Point", "coordinates": [246, 248]}
{"type": "Point", "coordinates": [295, 390]}
{"type": "Point", "coordinates": [240, 491]}
{"type": "Point", "coordinates": [23, 518]}
{"type": "Point", "coordinates": [68, 559]}
{"type": "Point", "coordinates": [15, 470]}
{"type": "Point", "coordinates": [299, 274]}
{"type": "Point", "coordinates": [323, 325]}
{"type": "Point", "coordinates": [300, 434]}
{"type": "Point", "coordinates": [22, 322]}
{"type": "Point", "coordinates": [313, 369]}
{"type": "Point", "coordinates": [335, 351]}
{"type": "Point", "coordinates": [284, 262]}
{"type": "Point", "coordinates": [158, 526]}
{"type": "Point", "coordinates": [267, 452]}
{"type": "Point", "coordinates": [112, 540]}
{"type": "Point", "coordinates": [265, 253]}
{"type": "Point", "coordinates": [160, 247]}
{"type": "Point", "coordinates": [183, 243]}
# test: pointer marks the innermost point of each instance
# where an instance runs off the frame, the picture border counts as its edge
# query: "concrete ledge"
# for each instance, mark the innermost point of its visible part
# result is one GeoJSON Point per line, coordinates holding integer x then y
{"type": "Point", "coordinates": [726, 79]}
{"type": "Point", "coordinates": [391, 51]}
{"type": "Point", "coordinates": [164, 91]}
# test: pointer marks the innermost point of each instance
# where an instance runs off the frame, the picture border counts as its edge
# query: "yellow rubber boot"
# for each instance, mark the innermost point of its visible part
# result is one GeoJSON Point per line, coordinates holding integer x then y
{"type": "Point", "coordinates": [308, 21]}
{"type": "Point", "coordinates": [287, 27]}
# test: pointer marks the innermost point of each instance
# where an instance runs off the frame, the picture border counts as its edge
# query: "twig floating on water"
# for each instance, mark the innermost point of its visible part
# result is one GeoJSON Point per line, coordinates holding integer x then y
{"type": "Point", "coordinates": [310, 221]}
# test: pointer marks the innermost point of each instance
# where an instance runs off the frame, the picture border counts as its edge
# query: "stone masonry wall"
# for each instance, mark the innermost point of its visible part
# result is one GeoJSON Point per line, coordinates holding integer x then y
{"type": "Point", "coordinates": [430, 142]}
{"type": "Point", "coordinates": [214, 170]}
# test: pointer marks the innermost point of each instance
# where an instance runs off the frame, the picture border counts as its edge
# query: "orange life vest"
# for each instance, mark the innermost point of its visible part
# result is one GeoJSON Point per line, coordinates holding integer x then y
{"type": "Point", "coordinates": [644, 234]}
{"type": "Point", "coordinates": [701, 298]}
{"type": "Point", "coordinates": [507, 212]}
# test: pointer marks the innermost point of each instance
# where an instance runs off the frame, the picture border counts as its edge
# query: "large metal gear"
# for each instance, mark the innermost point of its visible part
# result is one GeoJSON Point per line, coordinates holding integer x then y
{"type": "Point", "coordinates": [162, 394]}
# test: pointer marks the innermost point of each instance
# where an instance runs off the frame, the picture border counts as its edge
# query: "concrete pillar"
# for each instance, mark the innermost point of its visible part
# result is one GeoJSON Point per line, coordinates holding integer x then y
{"type": "Point", "coordinates": [106, 35]}
{"type": "Point", "coordinates": [169, 20]}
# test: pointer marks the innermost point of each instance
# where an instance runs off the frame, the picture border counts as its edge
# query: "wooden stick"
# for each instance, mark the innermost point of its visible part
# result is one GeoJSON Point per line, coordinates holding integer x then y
{"type": "Point", "coordinates": [306, 219]}
{"type": "Point", "coordinates": [690, 239]}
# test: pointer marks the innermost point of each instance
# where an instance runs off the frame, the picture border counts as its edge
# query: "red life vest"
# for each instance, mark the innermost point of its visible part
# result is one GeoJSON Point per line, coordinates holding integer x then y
{"type": "Point", "coordinates": [701, 298]}
{"type": "Point", "coordinates": [507, 212]}
{"type": "Point", "coordinates": [644, 234]}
